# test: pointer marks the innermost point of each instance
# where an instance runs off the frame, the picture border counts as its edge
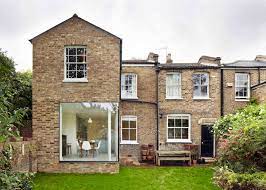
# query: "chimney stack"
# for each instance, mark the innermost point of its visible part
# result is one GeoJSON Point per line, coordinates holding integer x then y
{"type": "Point", "coordinates": [210, 61]}
{"type": "Point", "coordinates": [168, 58]}
{"type": "Point", "coordinates": [260, 58]}
{"type": "Point", "coordinates": [153, 57]}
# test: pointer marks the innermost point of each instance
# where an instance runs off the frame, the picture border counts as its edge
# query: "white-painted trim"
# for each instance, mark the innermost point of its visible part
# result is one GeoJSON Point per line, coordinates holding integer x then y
{"type": "Point", "coordinates": [201, 98]}
{"type": "Point", "coordinates": [208, 88]}
{"type": "Point", "coordinates": [189, 129]}
{"type": "Point", "coordinates": [129, 142]}
{"type": "Point", "coordinates": [243, 98]}
{"type": "Point", "coordinates": [109, 136]}
{"type": "Point", "coordinates": [129, 98]}
{"type": "Point", "coordinates": [137, 65]}
{"type": "Point", "coordinates": [174, 98]}
{"type": "Point", "coordinates": [76, 80]}
{"type": "Point", "coordinates": [129, 118]}
{"type": "Point", "coordinates": [135, 95]}
{"type": "Point", "coordinates": [178, 141]}
{"type": "Point", "coordinates": [180, 87]}
{"type": "Point", "coordinates": [60, 133]}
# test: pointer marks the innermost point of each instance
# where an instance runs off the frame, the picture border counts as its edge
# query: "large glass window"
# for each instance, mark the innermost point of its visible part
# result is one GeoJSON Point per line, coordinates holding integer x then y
{"type": "Point", "coordinates": [129, 86]}
{"type": "Point", "coordinates": [173, 86]}
{"type": "Point", "coordinates": [75, 63]}
{"type": "Point", "coordinates": [242, 90]}
{"type": "Point", "coordinates": [178, 128]}
{"type": "Point", "coordinates": [201, 85]}
{"type": "Point", "coordinates": [129, 129]}
{"type": "Point", "coordinates": [88, 131]}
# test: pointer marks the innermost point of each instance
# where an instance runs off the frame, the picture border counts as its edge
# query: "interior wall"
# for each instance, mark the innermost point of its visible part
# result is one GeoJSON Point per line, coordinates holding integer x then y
{"type": "Point", "coordinates": [69, 129]}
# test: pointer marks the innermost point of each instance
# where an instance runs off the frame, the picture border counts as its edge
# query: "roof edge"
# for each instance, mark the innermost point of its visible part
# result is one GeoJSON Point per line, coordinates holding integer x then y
{"type": "Point", "coordinates": [75, 16]}
{"type": "Point", "coordinates": [258, 85]}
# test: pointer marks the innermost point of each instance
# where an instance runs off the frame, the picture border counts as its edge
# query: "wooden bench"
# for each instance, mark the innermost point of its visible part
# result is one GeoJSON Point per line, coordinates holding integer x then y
{"type": "Point", "coordinates": [183, 155]}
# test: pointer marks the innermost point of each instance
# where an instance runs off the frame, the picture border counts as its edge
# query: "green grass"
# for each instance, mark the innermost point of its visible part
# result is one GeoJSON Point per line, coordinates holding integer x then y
{"type": "Point", "coordinates": [135, 178]}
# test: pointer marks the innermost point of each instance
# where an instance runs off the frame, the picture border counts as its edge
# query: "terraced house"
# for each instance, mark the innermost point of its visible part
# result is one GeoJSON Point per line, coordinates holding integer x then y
{"type": "Point", "coordinates": [91, 110]}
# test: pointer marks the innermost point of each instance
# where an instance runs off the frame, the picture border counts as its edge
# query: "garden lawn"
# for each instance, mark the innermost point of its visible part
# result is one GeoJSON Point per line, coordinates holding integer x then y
{"type": "Point", "coordinates": [131, 178]}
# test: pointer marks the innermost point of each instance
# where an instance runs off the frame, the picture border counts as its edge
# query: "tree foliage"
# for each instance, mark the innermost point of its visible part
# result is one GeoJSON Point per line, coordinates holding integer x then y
{"type": "Point", "coordinates": [242, 159]}
{"type": "Point", "coordinates": [15, 103]}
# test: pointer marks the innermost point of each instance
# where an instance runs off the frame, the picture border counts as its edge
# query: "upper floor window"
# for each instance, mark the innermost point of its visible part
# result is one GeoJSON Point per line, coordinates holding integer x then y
{"type": "Point", "coordinates": [178, 128]}
{"type": "Point", "coordinates": [201, 85]}
{"type": "Point", "coordinates": [173, 86]}
{"type": "Point", "coordinates": [129, 130]}
{"type": "Point", "coordinates": [242, 86]}
{"type": "Point", "coordinates": [129, 86]}
{"type": "Point", "coordinates": [75, 63]}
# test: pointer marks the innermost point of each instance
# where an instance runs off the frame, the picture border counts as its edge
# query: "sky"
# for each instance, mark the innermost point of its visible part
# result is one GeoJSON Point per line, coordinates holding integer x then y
{"type": "Point", "coordinates": [188, 29]}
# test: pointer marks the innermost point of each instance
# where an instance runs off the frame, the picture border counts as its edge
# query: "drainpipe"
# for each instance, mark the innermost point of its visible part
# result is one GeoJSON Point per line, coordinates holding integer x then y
{"type": "Point", "coordinates": [222, 92]}
{"type": "Point", "coordinates": [157, 70]}
{"type": "Point", "coordinates": [258, 75]}
{"type": "Point", "coordinates": [119, 109]}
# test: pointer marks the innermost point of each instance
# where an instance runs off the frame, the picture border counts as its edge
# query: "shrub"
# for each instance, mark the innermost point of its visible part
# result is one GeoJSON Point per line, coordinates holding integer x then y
{"type": "Point", "coordinates": [242, 158]}
{"type": "Point", "coordinates": [10, 180]}
{"type": "Point", "coordinates": [227, 179]}
{"type": "Point", "coordinates": [245, 150]}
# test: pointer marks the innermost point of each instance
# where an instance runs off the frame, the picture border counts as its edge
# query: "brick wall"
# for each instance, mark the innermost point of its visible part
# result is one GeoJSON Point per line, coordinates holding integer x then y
{"type": "Point", "coordinates": [24, 157]}
{"type": "Point", "coordinates": [103, 58]}
{"type": "Point", "coordinates": [230, 104]}
{"type": "Point", "coordinates": [144, 108]}
{"type": "Point", "coordinates": [201, 111]}
{"type": "Point", "coordinates": [259, 93]}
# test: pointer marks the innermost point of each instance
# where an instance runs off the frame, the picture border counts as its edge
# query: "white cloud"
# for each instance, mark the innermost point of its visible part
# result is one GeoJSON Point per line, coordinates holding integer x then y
{"type": "Point", "coordinates": [188, 28]}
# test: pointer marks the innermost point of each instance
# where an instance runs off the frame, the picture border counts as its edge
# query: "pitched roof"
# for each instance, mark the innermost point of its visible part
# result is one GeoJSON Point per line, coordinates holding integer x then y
{"type": "Point", "coordinates": [187, 66]}
{"type": "Point", "coordinates": [75, 16]}
{"type": "Point", "coordinates": [246, 63]}
{"type": "Point", "coordinates": [137, 61]}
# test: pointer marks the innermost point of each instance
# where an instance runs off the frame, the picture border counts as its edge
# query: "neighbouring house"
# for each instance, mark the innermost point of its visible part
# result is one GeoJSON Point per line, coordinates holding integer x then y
{"type": "Point", "coordinates": [91, 109]}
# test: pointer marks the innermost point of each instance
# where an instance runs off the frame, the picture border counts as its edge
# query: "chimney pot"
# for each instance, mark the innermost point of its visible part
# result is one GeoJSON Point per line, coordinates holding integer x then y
{"type": "Point", "coordinates": [260, 58]}
{"type": "Point", "coordinates": [153, 57]}
{"type": "Point", "coordinates": [168, 58]}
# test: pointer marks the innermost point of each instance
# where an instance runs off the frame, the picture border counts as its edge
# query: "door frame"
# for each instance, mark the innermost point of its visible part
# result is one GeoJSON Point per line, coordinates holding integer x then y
{"type": "Point", "coordinates": [214, 139]}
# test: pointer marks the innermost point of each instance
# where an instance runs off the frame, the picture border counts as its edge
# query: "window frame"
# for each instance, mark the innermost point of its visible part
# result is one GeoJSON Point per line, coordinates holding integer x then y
{"type": "Point", "coordinates": [85, 79]}
{"type": "Point", "coordinates": [134, 95]}
{"type": "Point", "coordinates": [242, 98]}
{"type": "Point", "coordinates": [188, 140]}
{"type": "Point", "coordinates": [129, 118]}
{"type": "Point", "coordinates": [208, 86]}
{"type": "Point", "coordinates": [178, 85]}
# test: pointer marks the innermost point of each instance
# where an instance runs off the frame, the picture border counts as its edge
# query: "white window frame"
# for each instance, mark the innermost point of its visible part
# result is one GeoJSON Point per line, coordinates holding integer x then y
{"type": "Point", "coordinates": [179, 85]}
{"type": "Point", "coordinates": [124, 95]}
{"type": "Point", "coordinates": [242, 98]}
{"type": "Point", "coordinates": [129, 118]}
{"type": "Point", "coordinates": [85, 79]}
{"type": "Point", "coordinates": [189, 129]}
{"type": "Point", "coordinates": [208, 87]}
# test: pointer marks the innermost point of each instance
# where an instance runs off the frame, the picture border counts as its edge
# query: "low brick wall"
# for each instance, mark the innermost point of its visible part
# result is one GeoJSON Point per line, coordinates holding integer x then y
{"type": "Point", "coordinates": [80, 167]}
{"type": "Point", "coordinates": [24, 157]}
{"type": "Point", "coordinates": [259, 93]}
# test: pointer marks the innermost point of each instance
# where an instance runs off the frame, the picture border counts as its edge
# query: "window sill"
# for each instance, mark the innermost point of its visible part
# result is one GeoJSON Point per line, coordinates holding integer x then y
{"type": "Point", "coordinates": [242, 100]}
{"type": "Point", "coordinates": [199, 98]}
{"type": "Point", "coordinates": [75, 80]}
{"type": "Point", "coordinates": [179, 141]}
{"type": "Point", "coordinates": [174, 98]}
{"type": "Point", "coordinates": [128, 143]}
{"type": "Point", "coordinates": [129, 98]}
